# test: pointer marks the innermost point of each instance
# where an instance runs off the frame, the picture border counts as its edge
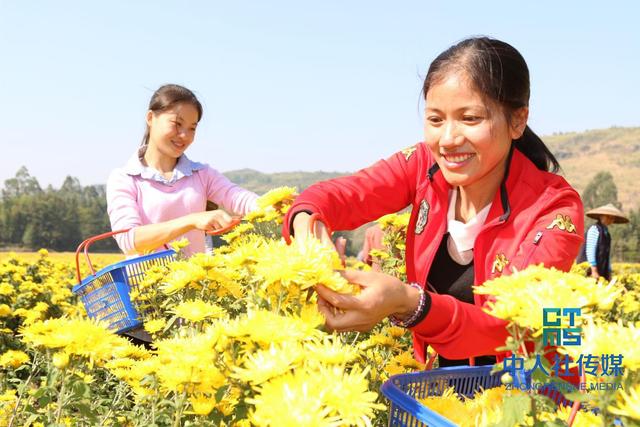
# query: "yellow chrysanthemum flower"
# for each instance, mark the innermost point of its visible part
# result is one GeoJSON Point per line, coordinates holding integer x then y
{"type": "Point", "coordinates": [178, 245]}
{"type": "Point", "coordinates": [263, 365]}
{"type": "Point", "coordinates": [13, 359]}
{"type": "Point", "coordinates": [6, 289]}
{"type": "Point", "coordinates": [299, 403]}
{"type": "Point", "coordinates": [60, 360]}
{"type": "Point", "coordinates": [265, 327]}
{"type": "Point", "coordinates": [519, 298]}
{"type": "Point", "coordinates": [330, 351]}
{"type": "Point", "coordinates": [276, 196]}
{"type": "Point", "coordinates": [198, 310]}
{"type": "Point", "coordinates": [239, 231]}
{"type": "Point", "coordinates": [189, 363]}
{"type": "Point", "coordinates": [202, 404]}
{"type": "Point", "coordinates": [183, 274]}
{"type": "Point", "coordinates": [628, 403]}
{"type": "Point", "coordinates": [81, 337]}
{"type": "Point", "coordinates": [609, 339]}
{"type": "Point", "coordinates": [303, 264]}
{"type": "Point", "coordinates": [583, 418]}
{"type": "Point", "coordinates": [407, 360]}
{"type": "Point", "coordinates": [347, 395]}
{"type": "Point", "coordinates": [5, 310]}
{"type": "Point", "coordinates": [448, 405]}
{"type": "Point", "coordinates": [399, 221]}
{"type": "Point", "coordinates": [154, 325]}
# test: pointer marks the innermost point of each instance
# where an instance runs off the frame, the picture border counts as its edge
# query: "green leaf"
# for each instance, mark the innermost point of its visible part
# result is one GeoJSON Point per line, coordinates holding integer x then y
{"type": "Point", "coordinates": [38, 394]}
{"type": "Point", "coordinates": [220, 393]}
{"type": "Point", "coordinates": [44, 400]}
{"type": "Point", "coordinates": [515, 409]}
{"type": "Point", "coordinates": [32, 419]}
{"type": "Point", "coordinates": [81, 390]}
{"type": "Point", "coordinates": [169, 324]}
{"type": "Point", "coordinates": [86, 411]}
{"type": "Point", "coordinates": [577, 395]}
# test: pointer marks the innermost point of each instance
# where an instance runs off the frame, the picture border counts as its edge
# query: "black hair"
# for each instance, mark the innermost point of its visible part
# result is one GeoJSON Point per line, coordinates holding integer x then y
{"type": "Point", "coordinates": [166, 97]}
{"type": "Point", "coordinates": [499, 72]}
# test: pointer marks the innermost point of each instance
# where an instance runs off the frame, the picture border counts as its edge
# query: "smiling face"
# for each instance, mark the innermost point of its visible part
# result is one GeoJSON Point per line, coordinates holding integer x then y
{"type": "Point", "coordinates": [172, 131]}
{"type": "Point", "coordinates": [469, 137]}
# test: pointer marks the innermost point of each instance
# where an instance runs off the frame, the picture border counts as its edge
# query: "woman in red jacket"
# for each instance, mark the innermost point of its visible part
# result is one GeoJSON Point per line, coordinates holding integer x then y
{"type": "Point", "coordinates": [486, 201]}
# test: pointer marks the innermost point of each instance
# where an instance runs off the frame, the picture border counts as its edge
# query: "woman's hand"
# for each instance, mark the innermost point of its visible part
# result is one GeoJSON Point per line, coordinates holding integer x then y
{"type": "Point", "coordinates": [211, 220]}
{"type": "Point", "coordinates": [302, 230]}
{"type": "Point", "coordinates": [381, 296]}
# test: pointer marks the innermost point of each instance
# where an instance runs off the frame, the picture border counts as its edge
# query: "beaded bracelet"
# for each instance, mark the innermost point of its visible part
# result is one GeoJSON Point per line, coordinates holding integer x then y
{"type": "Point", "coordinates": [417, 315]}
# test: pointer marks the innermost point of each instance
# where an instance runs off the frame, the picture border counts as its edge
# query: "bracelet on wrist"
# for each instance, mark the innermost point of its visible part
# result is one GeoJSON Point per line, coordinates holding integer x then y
{"type": "Point", "coordinates": [419, 314]}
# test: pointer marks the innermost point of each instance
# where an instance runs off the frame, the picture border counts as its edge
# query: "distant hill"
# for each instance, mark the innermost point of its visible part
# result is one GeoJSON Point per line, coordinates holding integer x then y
{"type": "Point", "coordinates": [617, 150]}
{"type": "Point", "coordinates": [581, 156]}
{"type": "Point", "coordinates": [260, 183]}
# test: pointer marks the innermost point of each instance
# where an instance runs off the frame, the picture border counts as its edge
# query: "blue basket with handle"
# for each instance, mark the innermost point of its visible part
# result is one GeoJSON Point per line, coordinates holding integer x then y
{"type": "Point", "coordinates": [404, 390]}
{"type": "Point", "coordinates": [105, 294]}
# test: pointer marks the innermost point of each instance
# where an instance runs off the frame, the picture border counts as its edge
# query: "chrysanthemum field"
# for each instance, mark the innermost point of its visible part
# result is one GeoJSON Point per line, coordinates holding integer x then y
{"type": "Point", "coordinates": [238, 341]}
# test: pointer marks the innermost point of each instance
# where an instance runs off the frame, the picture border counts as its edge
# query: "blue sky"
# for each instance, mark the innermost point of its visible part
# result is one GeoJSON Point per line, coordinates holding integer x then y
{"type": "Point", "coordinates": [286, 85]}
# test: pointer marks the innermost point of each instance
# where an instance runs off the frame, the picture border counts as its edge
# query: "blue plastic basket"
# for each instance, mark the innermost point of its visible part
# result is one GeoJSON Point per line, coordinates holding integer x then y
{"type": "Point", "coordinates": [403, 391]}
{"type": "Point", "coordinates": [105, 294]}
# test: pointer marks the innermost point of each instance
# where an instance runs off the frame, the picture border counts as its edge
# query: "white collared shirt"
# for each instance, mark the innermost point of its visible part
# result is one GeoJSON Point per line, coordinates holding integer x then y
{"type": "Point", "coordinates": [462, 236]}
{"type": "Point", "coordinates": [184, 167]}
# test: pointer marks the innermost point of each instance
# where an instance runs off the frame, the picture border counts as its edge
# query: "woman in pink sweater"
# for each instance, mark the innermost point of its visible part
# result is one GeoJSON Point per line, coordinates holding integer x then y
{"type": "Point", "coordinates": [160, 194]}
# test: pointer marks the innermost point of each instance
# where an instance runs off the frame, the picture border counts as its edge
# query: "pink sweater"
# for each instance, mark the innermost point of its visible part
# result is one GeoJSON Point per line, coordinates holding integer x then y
{"type": "Point", "coordinates": [136, 197]}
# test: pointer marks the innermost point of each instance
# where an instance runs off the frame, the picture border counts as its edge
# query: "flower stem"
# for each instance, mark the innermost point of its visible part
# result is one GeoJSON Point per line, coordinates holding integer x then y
{"type": "Point", "coordinates": [179, 406]}
{"type": "Point", "coordinates": [61, 395]}
{"type": "Point", "coordinates": [25, 386]}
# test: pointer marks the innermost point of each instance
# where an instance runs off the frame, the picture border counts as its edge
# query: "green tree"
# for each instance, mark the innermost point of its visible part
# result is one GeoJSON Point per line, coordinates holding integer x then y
{"type": "Point", "coordinates": [52, 223]}
{"type": "Point", "coordinates": [20, 185]}
{"type": "Point", "coordinates": [16, 195]}
{"type": "Point", "coordinates": [600, 191]}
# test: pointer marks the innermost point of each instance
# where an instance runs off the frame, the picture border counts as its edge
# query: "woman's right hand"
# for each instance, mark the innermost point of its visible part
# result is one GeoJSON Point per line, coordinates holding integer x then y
{"type": "Point", "coordinates": [211, 220]}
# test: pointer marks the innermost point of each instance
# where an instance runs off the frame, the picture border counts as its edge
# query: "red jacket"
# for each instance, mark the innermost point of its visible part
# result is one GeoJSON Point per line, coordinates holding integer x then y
{"type": "Point", "coordinates": [536, 217]}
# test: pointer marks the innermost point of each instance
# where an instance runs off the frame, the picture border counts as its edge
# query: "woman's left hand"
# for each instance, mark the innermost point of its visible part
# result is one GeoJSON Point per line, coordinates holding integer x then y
{"type": "Point", "coordinates": [381, 296]}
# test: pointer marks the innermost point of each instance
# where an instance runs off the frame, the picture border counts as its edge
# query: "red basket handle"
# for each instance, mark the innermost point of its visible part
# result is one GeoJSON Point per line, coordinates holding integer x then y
{"type": "Point", "coordinates": [85, 245]}
{"type": "Point", "coordinates": [87, 242]}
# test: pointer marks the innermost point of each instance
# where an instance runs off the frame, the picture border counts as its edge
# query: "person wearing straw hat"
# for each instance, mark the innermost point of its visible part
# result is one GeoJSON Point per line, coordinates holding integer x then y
{"type": "Point", "coordinates": [598, 242]}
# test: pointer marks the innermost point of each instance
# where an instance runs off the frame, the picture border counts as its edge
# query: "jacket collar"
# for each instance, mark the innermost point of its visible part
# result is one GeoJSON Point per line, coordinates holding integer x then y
{"type": "Point", "coordinates": [184, 167]}
{"type": "Point", "coordinates": [501, 206]}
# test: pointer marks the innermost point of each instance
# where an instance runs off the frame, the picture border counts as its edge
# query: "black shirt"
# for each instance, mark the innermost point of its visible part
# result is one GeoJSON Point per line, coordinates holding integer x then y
{"type": "Point", "coordinates": [450, 278]}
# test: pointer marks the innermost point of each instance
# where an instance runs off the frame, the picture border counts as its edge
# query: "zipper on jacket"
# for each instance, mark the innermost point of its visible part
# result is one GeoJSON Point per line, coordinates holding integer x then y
{"type": "Point", "coordinates": [536, 241]}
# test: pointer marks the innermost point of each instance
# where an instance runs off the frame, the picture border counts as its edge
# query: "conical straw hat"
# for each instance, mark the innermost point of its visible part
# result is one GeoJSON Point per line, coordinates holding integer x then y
{"type": "Point", "coordinates": [608, 209]}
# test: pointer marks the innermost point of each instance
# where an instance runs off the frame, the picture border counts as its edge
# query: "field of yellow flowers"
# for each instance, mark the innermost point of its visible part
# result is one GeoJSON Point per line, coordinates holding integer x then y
{"type": "Point", "coordinates": [238, 341]}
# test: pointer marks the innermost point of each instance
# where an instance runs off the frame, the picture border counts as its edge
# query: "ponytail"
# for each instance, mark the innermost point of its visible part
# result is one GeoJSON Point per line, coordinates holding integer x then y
{"type": "Point", "coordinates": [535, 150]}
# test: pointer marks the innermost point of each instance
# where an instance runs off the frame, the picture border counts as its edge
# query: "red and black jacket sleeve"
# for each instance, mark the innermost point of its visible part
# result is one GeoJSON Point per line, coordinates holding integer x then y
{"type": "Point", "coordinates": [348, 202]}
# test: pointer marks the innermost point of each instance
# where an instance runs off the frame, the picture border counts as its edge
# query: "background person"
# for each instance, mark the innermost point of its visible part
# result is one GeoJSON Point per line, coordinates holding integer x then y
{"type": "Point", "coordinates": [372, 240]}
{"type": "Point", "coordinates": [160, 194]}
{"type": "Point", "coordinates": [484, 201]}
{"type": "Point", "coordinates": [598, 241]}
